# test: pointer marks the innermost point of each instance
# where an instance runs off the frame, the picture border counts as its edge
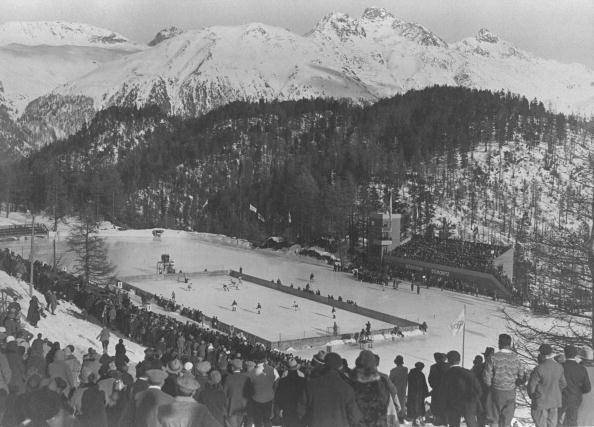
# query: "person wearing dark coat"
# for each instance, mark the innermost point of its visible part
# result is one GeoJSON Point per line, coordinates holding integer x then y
{"type": "Point", "coordinates": [436, 373]}
{"type": "Point", "coordinates": [461, 393]}
{"type": "Point", "coordinates": [14, 356]}
{"type": "Point", "coordinates": [147, 402]}
{"type": "Point", "coordinates": [399, 377]}
{"type": "Point", "coordinates": [372, 391]}
{"type": "Point", "coordinates": [417, 392]}
{"type": "Point", "coordinates": [578, 384]}
{"type": "Point", "coordinates": [93, 412]}
{"type": "Point", "coordinates": [236, 388]}
{"type": "Point", "coordinates": [545, 387]}
{"type": "Point", "coordinates": [120, 354]}
{"type": "Point", "coordinates": [213, 397]}
{"type": "Point", "coordinates": [328, 400]}
{"type": "Point", "coordinates": [33, 312]}
{"type": "Point", "coordinates": [290, 388]}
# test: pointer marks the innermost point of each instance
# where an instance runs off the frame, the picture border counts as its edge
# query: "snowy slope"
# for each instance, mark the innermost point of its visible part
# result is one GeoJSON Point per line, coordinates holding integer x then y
{"type": "Point", "coordinates": [373, 56]}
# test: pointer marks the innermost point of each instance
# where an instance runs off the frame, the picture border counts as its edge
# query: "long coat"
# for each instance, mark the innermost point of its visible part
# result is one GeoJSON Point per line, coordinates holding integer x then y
{"type": "Point", "coordinates": [372, 394]}
{"type": "Point", "coordinates": [289, 389]}
{"type": "Point", "coordinates": [236, 388]}
{"type": "Point", "coordinates": [93, 407]}
{"type": "Point", "coordinates": [399, 377]}
{"type": "Point", "coordinates": [436, 374]}
{"type": "Point", "coordinates": [461, 392]}
{"type": "Point", "coordinates": [417, 392]}
{"type": "Point", "coordinates": [329, 401]}
{"type": "Point", "coordinates": [33, 312]}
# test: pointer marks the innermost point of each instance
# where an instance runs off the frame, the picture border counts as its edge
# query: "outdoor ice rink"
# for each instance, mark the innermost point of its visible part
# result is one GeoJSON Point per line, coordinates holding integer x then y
{"type": "Point", "coordinates": [278, 319]}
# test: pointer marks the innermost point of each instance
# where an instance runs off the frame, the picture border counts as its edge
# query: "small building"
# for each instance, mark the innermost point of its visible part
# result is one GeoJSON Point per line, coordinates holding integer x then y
{"type": "Point", "coordinates": [383, 233]}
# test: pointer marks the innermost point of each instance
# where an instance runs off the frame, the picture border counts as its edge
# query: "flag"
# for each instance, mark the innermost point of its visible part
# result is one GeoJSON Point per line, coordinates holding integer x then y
{"type": "Point", "coordinates": [261, 217]}
{"type": "Point", "coordinates": [205, 204]}
{"type": "Point", "coordinates": [289, 217]}
{"type": "Point", "coordinates": [457, 324]}
{"type": "Point", "coordinates": [253, 208]}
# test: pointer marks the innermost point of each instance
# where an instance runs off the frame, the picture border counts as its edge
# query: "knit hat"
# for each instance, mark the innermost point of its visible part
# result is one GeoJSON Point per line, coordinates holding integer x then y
{"type": "Point", "coordinates": [188, 366]}
{"type": "Point", "coordinates": [203, 367]}
{"type": "Point", "coordinates": [367, 360]}
{"type": "Point", "coordinates": [156, 376]}
{"type": "Point", "coordinates": [333, 361]}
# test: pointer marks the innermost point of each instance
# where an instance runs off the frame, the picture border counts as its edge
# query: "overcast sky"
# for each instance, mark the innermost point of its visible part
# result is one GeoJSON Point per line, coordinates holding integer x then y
{"type": "Point", "coordinates": [558, 29]}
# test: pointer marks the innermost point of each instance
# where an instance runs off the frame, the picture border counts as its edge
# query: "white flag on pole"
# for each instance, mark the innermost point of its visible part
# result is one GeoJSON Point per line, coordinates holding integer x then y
{"type": "Point", "coordinates": [253, 208]}
{"type": "Point", "coordinates": [457, 324]}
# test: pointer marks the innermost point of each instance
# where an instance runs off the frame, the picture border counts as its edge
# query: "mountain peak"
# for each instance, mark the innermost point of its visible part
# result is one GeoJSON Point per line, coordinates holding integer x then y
{"type": "Point", "coordinates": [376, 13]}
{"type": "Point", "coordinates": [164, 34]}
{"type": "Point", "coordinates": [340, 24]}
{"type": "Point", "coordinates": [484, 35]}
{"type": "Point", "coordinates": [61, 33]}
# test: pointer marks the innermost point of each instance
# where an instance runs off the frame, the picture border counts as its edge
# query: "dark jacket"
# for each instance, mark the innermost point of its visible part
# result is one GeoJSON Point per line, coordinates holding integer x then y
{"type": "Point", "coordinates": [578, 383]}
{"type": "Point", "coordinates": [461, 392]}
{"type": "Point", "coordinates": [417, 392]}
{"type": "Point", "coordinates": [290, 388]}
{"type": "Point", "coordinates": [236, 391]}
{"type": "Point", "coordinates": [545, 385]}
{"type": "Point", "coordinates": [93, 408]}
{"type": "Point", "coordinates": [213, 397]}
{"type": "Point", "coordinates": [329, 401]}
{"type": "Point", "coordinates": [399, 377]}
{"type": "Point", "coordinates": [147, 402]}
{"type": "Point", "coordinates": [435, 378]}
{"type": "Point", "coordinates": [372, 392]}
{"type": "Point", "coordinates": [33, 312]}
{"type": "Point", "coordinates": [17, 368]}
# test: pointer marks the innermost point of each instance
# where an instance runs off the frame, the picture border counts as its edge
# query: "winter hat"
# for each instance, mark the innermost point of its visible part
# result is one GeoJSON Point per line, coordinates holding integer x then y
{"type": "Point", "coordinates": [188, 366]}
{"type": "Point", "coordinates": [333, 361]}
{"type": "Point", "coordinates": [586, 353]}
{"type": "Point", "coordinates": [174, 366]}
{"type": "Point", "coordinates": [156, 376]}
{"type": "Point", "coordinates": [2, 329]}
{"type": "Point", "coordinates": [215, 377]}
{"type": "Point", "coordinates": [9, 338]}
{"type": "Point", "coordinates": [478, 359]}
{"type": "Point", "coordinates": [419, 365]}
{"type": "Point", "coordinates": [203, 367]}
{"type": "Point", "coordinates": [250, 364]}
{"type": "Point", "coordinates": [367, 360]}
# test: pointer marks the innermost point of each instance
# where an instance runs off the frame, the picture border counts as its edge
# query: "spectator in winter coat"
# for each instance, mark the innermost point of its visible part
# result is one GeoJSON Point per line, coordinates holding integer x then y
{"type": "Point", "coordinates": [290, 388]}
{"type": "Point", "coordinates": [503, 373]}
{"type": "Point", "coordinates": [213, 397]}
{"type": "Point", "coordinates": [461, 393]}
{"type": "Point", "coordinates": [173, 369]}
{"type": "Point", "coordinates": [399, 377]}
{"type": "Point", "coordinates": [544, 388]}
{"type": "Point", "coordinates": [578, 384]}
{"type": "Point", "coordinates": [17, 366]}
{"type": "Point", "coordinates": [33, 312]}
{"type": "Point", "coordinates": [417, 392]}
{"type": "Point", "coordinates": [73, 364]}
{"type": "Point", "coordinates": [184, 410]}
{"type": "Point", "coordinates": [235, 387]}
{"type": "Point", "coordinates": [147, 402]}
{"type": "Point", "coordinates": [586, 409]}
{"type": "Point", "coordinates": [372, 391]}
{"type": "Point", "coordinates": [60, 369]}
{"type": "Point", "coordinates": [104, 338]}
{"type": "Point", "coordinates": [120, 354]}
{"type": "Point", "coordinates": [262, 380]}
{"type": "Point", "coordinates": [328, 399]}
{"type": "Point", "coordinates": [93, 412]}
{"type": "Point", "coordinates": [436, 373]}
{"type": "Point", "coordinates": [5, 378]}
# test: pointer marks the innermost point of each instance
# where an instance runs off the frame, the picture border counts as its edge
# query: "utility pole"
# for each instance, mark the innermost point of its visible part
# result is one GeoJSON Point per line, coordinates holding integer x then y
{"type": "Point", "coordinates": [55, 224]}
{"type": "Point", "coordinates": [31, 254]}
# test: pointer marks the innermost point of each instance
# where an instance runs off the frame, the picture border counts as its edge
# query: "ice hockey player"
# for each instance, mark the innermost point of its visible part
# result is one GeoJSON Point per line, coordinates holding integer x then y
{"type": "Point", "coordinates": [259, 308]}
{"type": "Point", "coordinates": [234, 306]}
{"type": "Point", "coordinates": [334, 313]}
{"type": "Point", "coordinates": [173, 296]}
{"type": "Point", "coordinates": [295, 305]}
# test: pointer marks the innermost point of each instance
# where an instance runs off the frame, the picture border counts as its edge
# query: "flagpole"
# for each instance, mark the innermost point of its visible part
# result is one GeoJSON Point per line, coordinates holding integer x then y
{"type": "Point", "coordinates": [464, 335]}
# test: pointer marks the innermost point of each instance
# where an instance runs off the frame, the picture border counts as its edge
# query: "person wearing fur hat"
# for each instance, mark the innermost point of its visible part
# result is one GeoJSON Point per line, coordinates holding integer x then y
{"type": "Point", "coordinates": [290, 388]}
{"type": "Point", "coordinates": [328, 399]}
{"type": "Point", "coordinates": [147, 402]}
{"type": "Point", "coordinates": [578, 384]}
{"type": "Point", "coordinates": [585, 416]}
{"type": "Point", "coordinates": [213, 396]}
{"type": "Point", "coordinates": [235, 387]}
{"type": "Point", "coordinates": [372, 391]}
{"type": "Point", "coordinates": [461, 393]}
{"type": "Point", "coordinates": [417, 392]}
{"type": "Point", "coordinates": [184, 410]}
{"type": "Point", "coordinates": [546, 383]}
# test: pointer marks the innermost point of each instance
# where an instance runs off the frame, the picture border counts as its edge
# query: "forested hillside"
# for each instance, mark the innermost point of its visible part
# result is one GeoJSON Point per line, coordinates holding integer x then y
{"type": "Point", "coordinates": [493, 162]}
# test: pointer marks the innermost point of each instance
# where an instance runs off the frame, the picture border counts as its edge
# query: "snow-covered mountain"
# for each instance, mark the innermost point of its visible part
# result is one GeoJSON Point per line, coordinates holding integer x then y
{"type": "Point", "coordinates": [165, 34]}
{"type": "Point", "coordinates": [191, 72]}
